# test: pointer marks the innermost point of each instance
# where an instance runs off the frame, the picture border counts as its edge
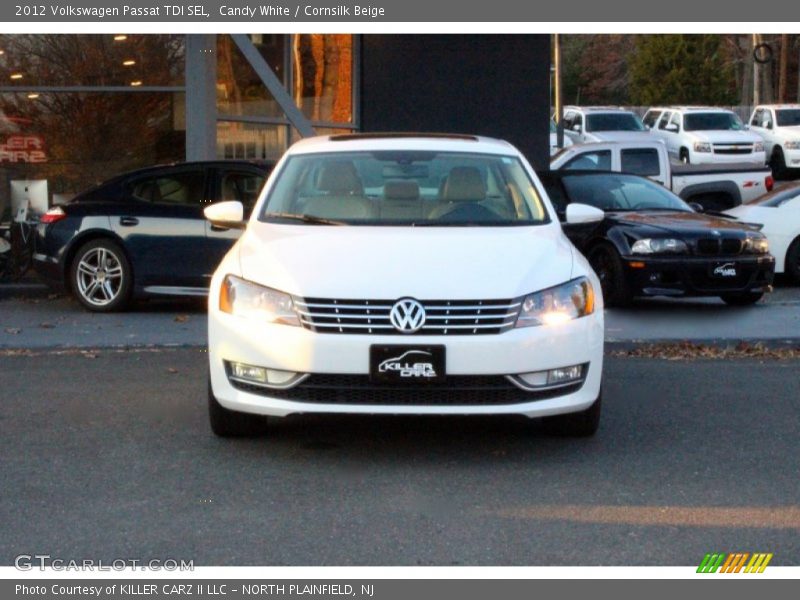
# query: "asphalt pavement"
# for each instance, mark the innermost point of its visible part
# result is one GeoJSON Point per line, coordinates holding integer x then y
{"type": "Point", "coordinates": [108, 455]}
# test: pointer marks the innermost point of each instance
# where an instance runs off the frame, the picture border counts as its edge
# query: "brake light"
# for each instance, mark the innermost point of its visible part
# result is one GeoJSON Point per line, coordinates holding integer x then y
{"type": "Point", "coordinates": [769, 182]}
{"type": "Point", "coordinates": [54, 214]}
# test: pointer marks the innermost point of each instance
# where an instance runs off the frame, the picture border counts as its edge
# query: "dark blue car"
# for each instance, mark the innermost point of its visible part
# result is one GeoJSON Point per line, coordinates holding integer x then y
{"type": "Point", "coordinates": [143, 233]}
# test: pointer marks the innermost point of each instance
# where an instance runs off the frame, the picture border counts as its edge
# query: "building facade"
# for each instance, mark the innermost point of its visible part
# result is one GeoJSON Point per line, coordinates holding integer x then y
{"type": "Point", "coordinates": [78, 109]}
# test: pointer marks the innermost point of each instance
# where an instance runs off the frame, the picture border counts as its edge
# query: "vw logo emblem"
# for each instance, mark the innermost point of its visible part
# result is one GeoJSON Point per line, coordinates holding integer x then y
{"type": "Point", "coordinates": [407, 315]}
{"type": "Point", "coordinates": [715, 232]}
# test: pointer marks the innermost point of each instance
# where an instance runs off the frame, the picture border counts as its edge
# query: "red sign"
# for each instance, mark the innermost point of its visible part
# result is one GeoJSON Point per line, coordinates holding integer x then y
{"type": "Point", "coordinates": [23, 149]}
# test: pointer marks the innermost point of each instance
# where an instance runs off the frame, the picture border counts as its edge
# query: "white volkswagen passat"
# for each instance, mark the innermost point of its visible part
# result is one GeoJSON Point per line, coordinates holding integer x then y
{"type": "Point", "coordinates": [404, 274]}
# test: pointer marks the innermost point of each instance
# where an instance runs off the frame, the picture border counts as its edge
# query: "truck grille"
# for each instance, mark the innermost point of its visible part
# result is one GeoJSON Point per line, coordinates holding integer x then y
{"type": "Point", "coordinates": [733, 148]}
{"type": "Point", "coordinates": [443, 317]}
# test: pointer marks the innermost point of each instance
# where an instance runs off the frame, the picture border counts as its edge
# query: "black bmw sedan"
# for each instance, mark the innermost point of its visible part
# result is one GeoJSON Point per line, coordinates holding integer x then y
{"type": "Point", "coordinates": [651, 243]}
{"type": "Point", "coordinates": [143, 233]}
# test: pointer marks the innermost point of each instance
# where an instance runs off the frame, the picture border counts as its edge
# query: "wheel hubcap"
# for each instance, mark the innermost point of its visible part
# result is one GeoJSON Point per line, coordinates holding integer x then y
{"type": "Point", "coordinates": [99, 276]}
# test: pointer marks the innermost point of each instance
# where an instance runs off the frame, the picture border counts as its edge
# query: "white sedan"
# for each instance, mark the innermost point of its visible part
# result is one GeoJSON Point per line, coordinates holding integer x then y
{"type": "Point", "coordinates": [779, 213]}
{"type": "Point", "coordinates": [404, 274]}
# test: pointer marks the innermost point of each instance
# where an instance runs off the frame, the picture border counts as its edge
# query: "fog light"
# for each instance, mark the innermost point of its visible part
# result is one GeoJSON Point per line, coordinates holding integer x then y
{"type": "Point", "coordinates": [564, 374]}
{"type": "Point", "coordinates": [255, 374]}
{"type": "Point", "coordinates": [540, 380]}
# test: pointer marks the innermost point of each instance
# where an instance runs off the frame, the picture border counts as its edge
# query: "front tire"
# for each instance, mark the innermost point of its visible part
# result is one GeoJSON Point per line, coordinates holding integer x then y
{"type": "Point", "coordinates": [742, 299]}
{"type": "Point", "coordinates": [230, 423]}
{"type": "Point", "coordinates": [580, 424]}
{"type": "Point", "coordinates": [684, 156]}
{"type": "Point", "coordinates": [792, 266]}
{"type": "Point", "coordinates": [608, 266]}
{"type": "Point", "coordinates": [778, 163]}
{"type": "Point", "coordinates": [101, 278]}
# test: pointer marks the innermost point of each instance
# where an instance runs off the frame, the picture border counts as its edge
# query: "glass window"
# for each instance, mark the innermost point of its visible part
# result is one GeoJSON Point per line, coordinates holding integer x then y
{"type": "Point", "coordinates": [708, 121]}
{"type": "Point", "coordinates": [240, 90]}
{"type": "Point", "coordinates": [92, 60]}
{"type": "Point", "coordinates": [599, 160]}
{"type": "Point", "coordinates": [662, 123]}
{"type": "Point", "coordinates": [186, 187]}
{"type": "Point", "coordinates": [616, 121]}
{"type": "Point", "coordinates": [243, 186]}
{"type": "Point", "coordinates": [74, 141]}
{"type": "Point", "coordinates": [323, 76]}
{"type": "Point", "coordinates": [250, 141]}
{"type": "Point", "coordinates": [651, 117]}
{"type": "Point", "coordinates": [640, 161]}
{"type": "Point", "coordinates": [758, 118]}
{"type": "Point", "coordinates": [404, 188]}
{"type": "Point", "coordinates": [788, 117]}
{"type": "Point", "coordinates": [620, 192]}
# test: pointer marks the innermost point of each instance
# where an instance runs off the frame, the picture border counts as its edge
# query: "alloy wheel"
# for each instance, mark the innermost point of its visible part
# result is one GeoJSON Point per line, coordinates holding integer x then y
{"type": "Point", "coordinates": [99, 276]}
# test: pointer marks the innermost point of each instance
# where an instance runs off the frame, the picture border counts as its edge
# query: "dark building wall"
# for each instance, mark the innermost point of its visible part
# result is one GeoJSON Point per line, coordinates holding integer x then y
{"type": "Point", "coordinates": [494, 85]}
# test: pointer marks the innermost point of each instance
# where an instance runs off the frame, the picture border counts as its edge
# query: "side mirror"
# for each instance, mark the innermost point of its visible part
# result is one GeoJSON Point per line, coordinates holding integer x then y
{"type": "Point", "coordinates": [576, 127]}
{"type": "Point", "coordinates": [578, 214]}
{"type": "Point", "coordinates": [696, 206]}
{"type": "Point", "coordinates": [672, 127]}
{"type": "Point", "coordinates": [746, 127]}
{"type": "Point", "coordinates": [647, 127]}
{"type": "Point", "coordinates": [768, 124]}
{"type": "Point", "coordinates": [228, 215]}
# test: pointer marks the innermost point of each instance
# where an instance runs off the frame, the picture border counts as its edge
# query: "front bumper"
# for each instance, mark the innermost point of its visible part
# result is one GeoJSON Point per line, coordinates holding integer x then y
{"type": "Point", "coordinates": [707, 158]}
{"type": "Point", "coordinates": [792, 158]}
{"type": "Point", "coordinates": [338, 364]}
{"type": "Point", "coordinates": [694, 276]}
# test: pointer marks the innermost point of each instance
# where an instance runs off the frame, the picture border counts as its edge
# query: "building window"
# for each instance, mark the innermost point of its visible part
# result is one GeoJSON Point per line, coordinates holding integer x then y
{"type": "Point", "coordinates": [322, 68]}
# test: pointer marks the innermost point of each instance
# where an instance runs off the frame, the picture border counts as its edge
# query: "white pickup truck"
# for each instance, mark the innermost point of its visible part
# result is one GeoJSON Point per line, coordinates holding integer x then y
{"type": "Point", "coordinates": [714, 187]}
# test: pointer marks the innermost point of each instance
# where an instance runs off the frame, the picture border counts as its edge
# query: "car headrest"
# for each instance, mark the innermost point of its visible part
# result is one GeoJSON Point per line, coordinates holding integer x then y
{"type": "Point", "coordinates": [464, 184]}
{"type": "Point", "coordinates": [341, 178]}
{"type": "Point", "coordinates": [401, 190]}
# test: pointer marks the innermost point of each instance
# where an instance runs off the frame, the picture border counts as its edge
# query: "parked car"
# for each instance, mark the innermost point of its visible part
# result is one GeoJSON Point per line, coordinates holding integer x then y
{"type": "Point", "coordinates": [143, 233]}
{"type": "Point", "coordinates": [779, 215]}
{"type": "Point", "coordinates": [404, 274]}
{"type": "Point", "coordinates": [703, 135]}
{"type": "Point", "coordinates": [586, 124]}
{"type": "Point", "coordinates": [651, 243]}
{"type": "Point", "coordinates": [714, 187]}
{"type": "Point", "coordinates": [779, 127]}
{"type": "Point", "coordinates": [554, 147]}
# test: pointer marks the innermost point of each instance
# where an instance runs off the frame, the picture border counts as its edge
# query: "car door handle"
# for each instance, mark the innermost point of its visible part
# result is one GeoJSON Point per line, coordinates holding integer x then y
{"type": "Point", "coordinates": [128, 221]}
{"type": "Point", "coordinates": [218, 228]}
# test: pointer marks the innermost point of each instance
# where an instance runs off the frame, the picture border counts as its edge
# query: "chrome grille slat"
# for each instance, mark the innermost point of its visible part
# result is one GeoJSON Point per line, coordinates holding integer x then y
{"type": "Point", "coordinates": [443, 317]}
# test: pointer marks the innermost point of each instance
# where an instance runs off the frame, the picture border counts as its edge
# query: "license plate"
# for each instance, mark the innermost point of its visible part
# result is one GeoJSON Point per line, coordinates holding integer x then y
{"type": "Point", "coordinates": [724, 270]}
{"type": "Point", "coordinates": [407, 364]}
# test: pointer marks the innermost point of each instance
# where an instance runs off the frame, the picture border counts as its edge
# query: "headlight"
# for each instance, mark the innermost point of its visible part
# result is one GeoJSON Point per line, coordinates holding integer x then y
{"type": "Point", "coordinates": [245, 299]}
{"type": "Point", "coordinates": [659, 246]}
{"type": "Point", "coordinates": [792, 145]}
{"type": "Point", "coordinates": [702, 147]}
{"type": "Point", "coordinates": [557, 305]}
{"type": "Point", "coordinates": [758, 147]}
{"type": "Point", "coordinates": [756, 245]}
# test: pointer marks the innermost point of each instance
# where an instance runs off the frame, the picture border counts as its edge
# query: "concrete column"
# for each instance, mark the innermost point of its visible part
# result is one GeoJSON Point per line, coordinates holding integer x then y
{"type": "Point", "coordinates": [201, 96]}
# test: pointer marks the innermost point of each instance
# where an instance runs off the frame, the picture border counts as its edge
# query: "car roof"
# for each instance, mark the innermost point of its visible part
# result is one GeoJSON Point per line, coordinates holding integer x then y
{"type": "Point", "coordinates": [440, 142]}
{"type": "Point", "coordinates": [778, 106]}
{"type": "Point", "coordinates": [561, 173]}
{"type": "Point", "coordinates": [689, 109]}
{"type": "Point", "coordinates": [264, 164]}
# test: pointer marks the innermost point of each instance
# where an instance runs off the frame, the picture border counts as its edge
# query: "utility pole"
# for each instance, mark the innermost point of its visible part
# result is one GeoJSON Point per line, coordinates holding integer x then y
{"type": "Point", "coordinates": [783, 69]}
{"type": "Point", "coordinates": [558, 102]}
{"type": "Point", "coordinates": [756, 72]}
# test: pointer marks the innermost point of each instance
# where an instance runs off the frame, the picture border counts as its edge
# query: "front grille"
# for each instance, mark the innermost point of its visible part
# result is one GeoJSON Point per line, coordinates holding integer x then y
{"type": "Point", "coordinates": [457, 390]}
{"type": "Point", "coordinates": [443, 317]}
{"type": "Point", "coordinates": [731, 148]}
{"type": "Point", "coordinates": [719, 247]}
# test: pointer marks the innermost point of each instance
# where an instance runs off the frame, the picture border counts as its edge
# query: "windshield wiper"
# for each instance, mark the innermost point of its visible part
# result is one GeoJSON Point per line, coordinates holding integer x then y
{"type": "Point", "coordinates": [309, 219]}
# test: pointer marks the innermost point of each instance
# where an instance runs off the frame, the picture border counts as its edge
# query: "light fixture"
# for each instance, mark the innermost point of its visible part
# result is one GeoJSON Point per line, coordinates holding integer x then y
{"type": "Point", "coordinates": [16, 76]}
{"type": "Point", "coordinates": [129, 63]}
{"type": "Point", "coordinates": [33, 96]}
{"type": "Point", "coordinates": [120, 38]}
{"type": "Point", "coordinates": [2, 52]}
{"type": "Point", "coordinates": [136, 83]}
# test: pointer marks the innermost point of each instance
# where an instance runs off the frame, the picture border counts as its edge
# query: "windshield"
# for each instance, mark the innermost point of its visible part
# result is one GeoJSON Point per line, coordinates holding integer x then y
{"type": "Point", "coordinates": [421, 188]}
{"type": "Point", "coordinates": [787, 117]}
{"type": "Point", "coordinates": [621, 192]}
{"type": "Point", "coordinates": [613, 122]}
{"type": "Point", "coordinates": [776, 198]}
{"type": "Point", "coordinates": [720, 121]}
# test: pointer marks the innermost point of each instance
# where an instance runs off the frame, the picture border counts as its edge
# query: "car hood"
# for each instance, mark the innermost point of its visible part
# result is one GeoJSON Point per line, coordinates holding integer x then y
{"type": "Point", "coordinates": [621, 136]}
{"type": "Point", "coordinates": [392, 262]}
{"type": "Point", "coordinates": [679, 222]}
{"type": "Point", "coordinates": [722, 136]}
{"type": "Point", "coordinates": [791, 132]}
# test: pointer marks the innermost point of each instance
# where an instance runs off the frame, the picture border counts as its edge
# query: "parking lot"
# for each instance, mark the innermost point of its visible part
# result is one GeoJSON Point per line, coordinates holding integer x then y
{"type": "Point", "coordinates": [107, 453]}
